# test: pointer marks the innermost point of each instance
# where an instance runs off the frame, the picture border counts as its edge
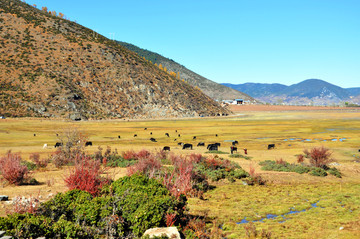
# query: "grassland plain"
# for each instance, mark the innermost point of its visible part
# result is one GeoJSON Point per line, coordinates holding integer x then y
{"type": "Point", "coordinates": [337, 210]}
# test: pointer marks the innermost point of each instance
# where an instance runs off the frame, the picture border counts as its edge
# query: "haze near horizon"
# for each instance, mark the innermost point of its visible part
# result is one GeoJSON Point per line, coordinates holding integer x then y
{"type": "Point", "coordinates": [233, 41]}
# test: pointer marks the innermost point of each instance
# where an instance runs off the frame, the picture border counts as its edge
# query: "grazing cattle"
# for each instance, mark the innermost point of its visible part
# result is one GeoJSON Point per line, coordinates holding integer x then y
{"type": "Point", "coordinates": [88, 143]}
{"type": "Point", "coordinates": [201, 144]}
{"type": "Point", "coordinates": [233, 149]}
{"type": "Point", "coordinates": [119, 137]}
{"type": "Point", "coordinates": [235, 142]}
{"type": "Point", "coordinates": [45, 146]}
{"type": "Point", "coordinates": [245, 151]}
{"type": "Point", "coordinates": [180, 143]}
{"type": "Point", "coordinates": [176, 130]}
{"type": "Point", "coordinates": [34, 135]}
{"type": "Point", "coordinates": [187, 146]}
{"type": "Point", "coordinates": [218, 144]}
{"type": "Point", "coordinates": [135, 135]}
{"type": "Point", "coordinates": [359, 150]}
{"type": "Point", "coordinates": [58, 144]}
{"type": "Point", "coordinates": [153, 140]}
{"type": "Point", "coordinates": [167, 134]}
{"type": "Point", "coordinates": [145, 128]}
{"type": "Point", "coordinates": [178, 135]}
{"type": "Point", "coordinates": [216, 135]}
{"type": "Point", "coordinates": [271, 146]}
{"type": "Point", "coordinates": [212, 147]}
{"type": "Point", "coordinates": [174, 139]}
{"type": "Point", "coordinates": [166, 148]}
{"type": "Point", "coordinates": [150, 133]}
{"type": "Point", "coordinates": [194, 137]}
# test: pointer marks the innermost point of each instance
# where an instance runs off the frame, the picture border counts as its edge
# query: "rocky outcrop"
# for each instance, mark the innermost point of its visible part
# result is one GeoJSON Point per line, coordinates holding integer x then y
{"type": "Point", "coordinates": [170, 232]}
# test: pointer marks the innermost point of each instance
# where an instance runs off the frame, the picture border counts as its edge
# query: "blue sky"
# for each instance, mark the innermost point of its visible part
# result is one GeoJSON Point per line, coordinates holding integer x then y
{"type": "Point", "coordinates": [235, 41]}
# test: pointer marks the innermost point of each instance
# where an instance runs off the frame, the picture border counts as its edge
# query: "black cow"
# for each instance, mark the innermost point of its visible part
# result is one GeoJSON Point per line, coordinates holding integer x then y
{"type": "Point", "coordinates": [150, 133]}
{"type": "Point", "coordinates": [119, 137]}
{"type": "Point", "coordinates": [176, 130]}
{"type": "Point", "coordinates": [58, 144]}
{"type": "Point", "coordinates": [201, 144]}
{"type": "Point", "coordinates": [235, 142]}
{"type": "Point", "coordinates": [88, 143]}
{"type": "Point", "coordinates": [135, 135]}
{"type": "Point", "coordinates": [212, 147]}
{"type": "Point", "coordinates": [34, 135]}
{"type": "Point", "coordinates": [271, 146]}
{"type": "Point", "coordinates": [166, 148]}
{"type": "Point", "coordinates": [233, 149]}
{"type": "Point", "coordinates": [187, 146]}
{"type": "Point", "coordinates": [218, 144]}
{"type": "Point", "coordinates": [145, 128]}
{"type": "Point", "coordinates": [167, 134]}
{"type": "Point", "coordinates": [153, 140]}
{"type": "Point", "coordinates": [180, 143]}
{"type": "Point", "coordinates": [194, 137]}
{"type": "Point", "coordinates": [216, 135]}
{"type": "Point", "coordinates": [359, 150]}
{"type": "Point", "coordinates": [178, 135]}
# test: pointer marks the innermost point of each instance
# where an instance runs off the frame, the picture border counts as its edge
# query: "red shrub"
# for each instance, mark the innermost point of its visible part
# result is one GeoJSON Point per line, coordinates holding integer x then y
{"type": "Point", "coordinates": [170, 219]}
{"type": "Point", "coordinates": [86, 176]}
{"type": "Point", "coordinates": [255, 178]}
{"type": "Point", "coordinates": [280, 161]}
{"type": "Point", "coordinates": [300, 158]}
{"type": "Point", "coordinates": [319, 157]}
{"type": "Point", "coordinates": [143, 154]}
{"type": "Point", "coordinates": [194, 158]}
{"type": "Point", "coordinates": [60, 159]}
{"type": "Point", "coordinates": [40, 163]}
{"type": "Point", "coordinates": [161, 154]}
{"type": "Point", "coordinates": [130, 154]}
{"type": "Point", "coordinates": [150, 167]}
{"type": "Point", "coordinates": [12, 170]}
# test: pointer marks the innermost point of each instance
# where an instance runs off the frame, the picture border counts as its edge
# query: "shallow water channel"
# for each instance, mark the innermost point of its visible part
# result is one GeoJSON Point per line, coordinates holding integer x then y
{"type": "Point", "coordinates": [273, 216]}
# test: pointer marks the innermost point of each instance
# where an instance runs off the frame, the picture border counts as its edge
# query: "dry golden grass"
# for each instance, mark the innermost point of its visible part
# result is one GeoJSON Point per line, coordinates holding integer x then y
{"type": "Point", "coordinates": [228, 203]}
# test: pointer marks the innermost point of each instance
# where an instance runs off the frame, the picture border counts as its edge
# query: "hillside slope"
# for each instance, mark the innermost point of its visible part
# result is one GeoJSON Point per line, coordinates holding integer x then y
{"type": "Point", "coordinates": [52, 67]}
{"type": "Point", "coordinates": [210, 88]}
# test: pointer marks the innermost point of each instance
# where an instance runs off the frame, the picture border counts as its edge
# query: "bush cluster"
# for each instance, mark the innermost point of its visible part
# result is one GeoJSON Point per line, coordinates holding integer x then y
{"type": "Point", "coordinates": [12, 169]}
{"type": "Point", "coordinates": [126, 208]}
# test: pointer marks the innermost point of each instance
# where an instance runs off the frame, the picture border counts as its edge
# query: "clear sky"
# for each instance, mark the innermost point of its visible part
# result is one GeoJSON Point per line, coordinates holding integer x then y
{"type": "Point", "coordinates": [235, 41]}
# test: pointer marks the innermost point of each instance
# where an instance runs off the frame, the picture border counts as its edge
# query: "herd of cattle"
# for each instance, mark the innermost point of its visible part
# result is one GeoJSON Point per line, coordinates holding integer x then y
{"type": "Point", "coordinates": [210, 147]}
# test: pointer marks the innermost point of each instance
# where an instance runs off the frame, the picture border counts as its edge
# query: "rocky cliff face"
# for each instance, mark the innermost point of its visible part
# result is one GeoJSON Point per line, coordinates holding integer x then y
{"type": "Point", "coordinates": [53, 67]}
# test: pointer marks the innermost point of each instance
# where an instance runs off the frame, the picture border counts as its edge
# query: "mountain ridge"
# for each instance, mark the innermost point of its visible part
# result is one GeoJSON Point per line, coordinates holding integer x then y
{"type": "Point", "coordinates": [310, 91]}
{"type": "Point", "coordinates": [210, 88]}
{"type": "Point", "coordinates": [52, 67]}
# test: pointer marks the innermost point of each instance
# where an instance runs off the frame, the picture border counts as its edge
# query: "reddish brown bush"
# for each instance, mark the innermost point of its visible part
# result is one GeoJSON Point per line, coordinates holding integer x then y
{"type": "Point", "coordinates": [194, 158]}
{"type": "Point", "coordinates": [40, 163]}
{"type": "Point", "coordinates": [86, 176]}
{"type": "Point", "coordinates": [319, 156]}
{"type": "Point", "coordinates": [130, 154]}
{"type": "Point", "coordinates": [150, 167]}
{"type": "Point", "coordinates": [255, 178]}
{"type": "Point", "coordinates": [12, 170]}
{"type": "Point", "coordinates": [170, 219]}
{"type": "Point", "coordinates": [280, 161]}
{"type": "Point", "coordinates": [300, 158]}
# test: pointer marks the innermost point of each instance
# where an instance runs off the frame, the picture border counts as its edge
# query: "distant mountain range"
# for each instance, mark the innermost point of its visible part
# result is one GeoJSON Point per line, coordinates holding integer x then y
{"type": "Point", "coordinates": [308, 92]}
{"type": "Point", "coordinates": [210, 88]}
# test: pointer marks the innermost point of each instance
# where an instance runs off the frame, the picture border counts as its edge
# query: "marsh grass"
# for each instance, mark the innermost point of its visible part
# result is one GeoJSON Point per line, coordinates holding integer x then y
{"type": "Point", "coordinates": [338, 198]}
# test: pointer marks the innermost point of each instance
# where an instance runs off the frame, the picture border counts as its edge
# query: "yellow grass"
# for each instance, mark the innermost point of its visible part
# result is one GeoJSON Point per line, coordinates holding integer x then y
{"type": "Point", "coordinates": [229, 202]}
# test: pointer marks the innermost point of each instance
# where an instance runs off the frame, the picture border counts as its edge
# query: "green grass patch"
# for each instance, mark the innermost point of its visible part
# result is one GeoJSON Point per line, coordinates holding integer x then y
{"type": "Point", "coordinates": [216, 152]}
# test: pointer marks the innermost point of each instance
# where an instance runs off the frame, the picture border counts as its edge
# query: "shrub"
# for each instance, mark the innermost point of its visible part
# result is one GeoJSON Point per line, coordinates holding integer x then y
{"type": "Point", "coordinates": [12, 169]}
{"type": "Point", "coordinates": [40, 163]}
{"type": "Point", "coordinates": [319, 157]}
{"type": "Point", "coordinates": [318, 172]}
{"type": "Point", "coordinates": [23, 205]}
{"type": "Point", "coordinates": [255, 178]}
{"type": "Point", "coordinates": [86, 176]}
{"type": "Point", "coordinates": [150, 167]}
{"type": "Point", "coordinates": [29, 165]}
{"type": "Point", "coordinates": [334, 171]}
{"type": "Point", "coordinates": [145, 202]}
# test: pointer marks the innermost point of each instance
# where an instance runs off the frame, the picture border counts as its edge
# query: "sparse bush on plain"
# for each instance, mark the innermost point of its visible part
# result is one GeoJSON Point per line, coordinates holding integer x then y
{"type": "Point", "coordinates": [40, 163]}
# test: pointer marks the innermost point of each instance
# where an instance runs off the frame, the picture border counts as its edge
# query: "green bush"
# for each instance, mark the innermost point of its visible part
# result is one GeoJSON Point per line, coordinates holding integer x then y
{"type": "Point", "coordinates": [144, 203]}
{"type": "Point", "coordinates": [269, 165]}
{"type": "Point", "coordinates": [335, 172]}
{"type": "Point", "coordinates": [118, 161]}
{"type": "Point", "coordinates": [318, 172]}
